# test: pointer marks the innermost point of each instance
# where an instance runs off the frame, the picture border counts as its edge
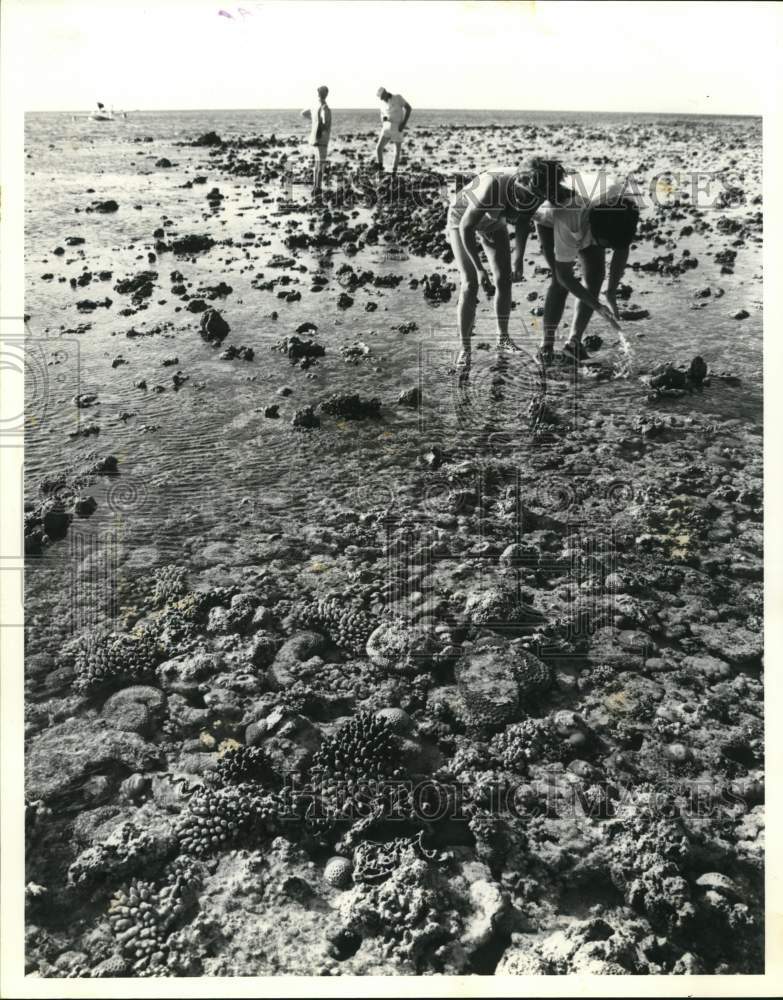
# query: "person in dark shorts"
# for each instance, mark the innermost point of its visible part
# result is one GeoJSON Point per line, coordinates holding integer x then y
{"type": "Point", "coordinates": [584, 228]}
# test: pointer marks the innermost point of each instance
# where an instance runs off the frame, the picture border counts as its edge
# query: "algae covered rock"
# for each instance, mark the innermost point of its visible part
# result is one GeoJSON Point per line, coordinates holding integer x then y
{"type": "Point", "coordinates": [498, 607]}
{"type": "Point", "coordinates": [400, 645]}
{"type": "Point", "coordinates": [497, 680]}
{"type": "Point", "coordinates": [488, 687]}
{"type": "Point", "coordinates": [135, 709]}
{"type": "Point", "coordinates": [59, 759]}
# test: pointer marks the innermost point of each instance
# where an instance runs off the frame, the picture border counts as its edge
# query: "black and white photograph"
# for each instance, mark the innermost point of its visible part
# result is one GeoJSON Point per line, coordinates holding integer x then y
{"type": "Point", "coordinates": [384, 479]}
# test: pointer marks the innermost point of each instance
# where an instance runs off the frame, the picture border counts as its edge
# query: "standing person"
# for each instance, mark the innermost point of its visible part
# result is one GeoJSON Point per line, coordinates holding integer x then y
{"type": "Point", "coordinates": [484, 208]}
{"type": "Point", "coordinates": [395, 112]}
{"type": "Point", "coordinates": [584, 227]}
{"type": "Point", "coordinates": [320, 118]}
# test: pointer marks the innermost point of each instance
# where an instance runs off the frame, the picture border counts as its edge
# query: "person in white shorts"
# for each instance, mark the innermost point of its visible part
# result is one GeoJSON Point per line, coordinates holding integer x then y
{"type": "Point", "coordinates": [320, 118]}
{"type": "Point", "coordinates": [485, 207]}
{"type": "Point", "coordinates": [395, 112]}
{"type": "Point", "coordinates": [585, 225]}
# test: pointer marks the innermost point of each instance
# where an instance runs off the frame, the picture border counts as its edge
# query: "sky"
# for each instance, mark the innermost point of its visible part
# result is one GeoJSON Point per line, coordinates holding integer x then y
{"type": "Point", "coordinates": [710, 58]}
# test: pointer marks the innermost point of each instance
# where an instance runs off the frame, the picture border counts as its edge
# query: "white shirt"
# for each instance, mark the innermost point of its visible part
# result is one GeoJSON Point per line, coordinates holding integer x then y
{"type": "Point", "coordinates": [394, 110]}
{"type": "Point", "coordinates": [571, 222]}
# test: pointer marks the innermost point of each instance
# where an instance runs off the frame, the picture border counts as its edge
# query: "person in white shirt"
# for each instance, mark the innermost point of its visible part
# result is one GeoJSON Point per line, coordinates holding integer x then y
{"type": "Point", "coordinates": [320, 118]}
{"type": "Point", "coordinates": [395, 112]}
{"type": "Point", "coordinates": [585, 225]}
{"type": "Point", "coordinates": [492, 201]}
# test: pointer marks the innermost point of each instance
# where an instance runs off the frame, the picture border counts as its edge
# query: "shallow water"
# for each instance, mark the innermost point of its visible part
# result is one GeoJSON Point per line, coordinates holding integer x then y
{"type": "Point", "coordinates": [210, 467]}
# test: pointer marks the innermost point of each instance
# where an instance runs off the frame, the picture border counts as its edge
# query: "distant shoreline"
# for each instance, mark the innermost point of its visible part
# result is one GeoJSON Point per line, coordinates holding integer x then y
{"type": "Point", "coordinates": [373, 110]}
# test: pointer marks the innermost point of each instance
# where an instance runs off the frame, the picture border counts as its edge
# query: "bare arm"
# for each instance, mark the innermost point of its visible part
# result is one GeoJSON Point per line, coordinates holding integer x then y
{"type": "Point", "coordinates": [407, 114]}
{"type": "Point", "coordinates": [479, 200]}
{"type": "Point", "coordinates": [522, 229]}
{"type": "Point", "coordinates": [565, 275]}
{"type": "Point", "coordinates": [467, 231]}
{"type": "Point", "coordinates": [616, 269]}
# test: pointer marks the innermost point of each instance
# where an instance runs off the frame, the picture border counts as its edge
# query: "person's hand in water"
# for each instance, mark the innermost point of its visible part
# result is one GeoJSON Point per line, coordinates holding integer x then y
{"type": "Point", "coordinates": [608, 315]}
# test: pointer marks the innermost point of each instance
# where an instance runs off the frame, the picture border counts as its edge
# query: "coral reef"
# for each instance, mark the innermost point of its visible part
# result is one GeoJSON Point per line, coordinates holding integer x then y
{"type": "Point", "coordinates": [348, 627]}
{"type": "Point", "coordinates": [104, 657]}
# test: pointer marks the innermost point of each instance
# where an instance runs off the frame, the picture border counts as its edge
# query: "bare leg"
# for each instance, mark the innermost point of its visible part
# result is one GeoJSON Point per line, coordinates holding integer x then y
{"type": "Point", "coordinates": [593, 271]}
{"type": "Point", "coordinates": [382, 140]}
{"type": "Point", "coordinates": [397, 151]}
{"type": "Point", "coordinates": [556, 294]}
{"type": "Point", "coordinates": [319, 166]}
{"type": "Point", "coordinates": [468, 294]}
{"type": "Point", "coordinates": [498, 249]}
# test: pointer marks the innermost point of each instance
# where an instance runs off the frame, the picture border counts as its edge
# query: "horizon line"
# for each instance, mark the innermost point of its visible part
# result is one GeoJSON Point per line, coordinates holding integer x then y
{"type": "Point", "coordinates": [295, 109]}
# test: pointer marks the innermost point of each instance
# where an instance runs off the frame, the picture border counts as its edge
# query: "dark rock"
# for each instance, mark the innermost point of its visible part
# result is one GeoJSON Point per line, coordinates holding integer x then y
{"type": "Point", "coordinates": [87, 305]}
{"type": "Point", "coordinates": [189, 245]}
{"type": "Point", "coordinates": [163, 162]}
{"type": "Point", "coordinates": [351, 406]}
{"type": "Point", "coordinates": [84, 506]}
{"type": "Point", "coordinates": [105, 206]}
{"type": "Point", "coordinates": [593, 342]}
{"type": "Point", "coordinates": [55, 520]}
{"type": "Point", "coordinates": [231, 352]}
{"type": "Point", "coordinates": [208, 139]}
{"type": "Point", "coordinates": [213, 327]}
{"type": "Point", "coordinates": [410, 397]}
{"type": "Point", "coordinates": [305, 418]}
{"type": "Point", "coordinates": [634, 313]}
{"type": "Point", "coordinates": [298, 349]}
{"type": "Point", "coordinates": [698, 370]}
{"type": "Point", "coordinates": [139, 287]}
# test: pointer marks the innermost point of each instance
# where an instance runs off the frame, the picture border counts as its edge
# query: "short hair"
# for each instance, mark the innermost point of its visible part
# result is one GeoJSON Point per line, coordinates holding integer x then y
{"type": "Point", "coordinates": [380, 91]}
{"type": "Point", "coordinates": [323, 91]}
{"type": "Point", "coordinates": [539, 174]}
{"type": "Point", "coordinates": [546, 173]}
{"type": "Point", "coordinates": [615, 223]}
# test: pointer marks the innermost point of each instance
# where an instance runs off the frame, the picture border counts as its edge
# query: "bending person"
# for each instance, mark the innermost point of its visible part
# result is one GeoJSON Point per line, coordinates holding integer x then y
{"type": "Point", "coordinates": [484, 208]}
{"type": "Point", "coordinates": [584, 228]}
{"type": "Point", "coordinates": [395, 112]}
